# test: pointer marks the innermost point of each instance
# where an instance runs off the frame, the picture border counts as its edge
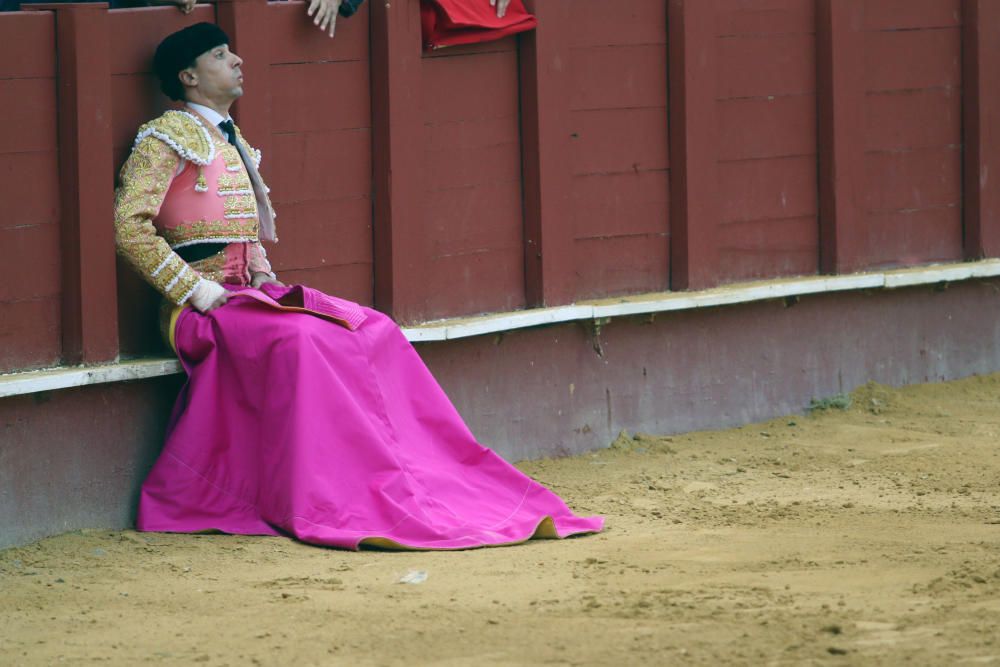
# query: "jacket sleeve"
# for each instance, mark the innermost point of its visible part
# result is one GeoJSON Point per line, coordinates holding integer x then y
{"type": "Point", "coordinates": [144, 182]}
{"type": "Point", "coordinates": [348, 7]}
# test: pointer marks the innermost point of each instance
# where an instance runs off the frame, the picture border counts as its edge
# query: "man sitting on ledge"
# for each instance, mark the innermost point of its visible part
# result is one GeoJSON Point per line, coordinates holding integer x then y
{"type": "Point", "coordinates": [303, 414]}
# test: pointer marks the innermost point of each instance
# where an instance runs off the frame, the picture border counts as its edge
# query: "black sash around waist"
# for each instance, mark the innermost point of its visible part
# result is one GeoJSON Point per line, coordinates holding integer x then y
{"type": "Point", "coordinates": [199, 251]}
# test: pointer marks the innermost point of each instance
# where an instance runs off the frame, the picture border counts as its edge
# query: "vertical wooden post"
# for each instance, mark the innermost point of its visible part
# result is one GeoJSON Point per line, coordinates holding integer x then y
{"type": "Point", "coordinates": [546, 88]}
{"type": "Point", "coordinates": [245, 21]}
{"type": "Point", "coordinates": [694, 182]}
{"type": "Point", "coordinates": [841, 100]}
{"type": "Point", "coordinates": [400, 246]}
{"type": "Point", "coordinates": [86, 183]}
{"type": "Point", "coordinates": [981, 118]}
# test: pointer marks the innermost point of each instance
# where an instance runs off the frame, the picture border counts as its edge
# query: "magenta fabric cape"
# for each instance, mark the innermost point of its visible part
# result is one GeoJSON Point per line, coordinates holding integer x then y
{"type": "Point", "coordinates": [293, 424]}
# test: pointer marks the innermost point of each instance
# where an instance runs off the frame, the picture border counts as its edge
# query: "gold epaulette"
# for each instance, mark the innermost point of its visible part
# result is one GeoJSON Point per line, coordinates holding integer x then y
{"type": "Point", "coordinates": [184, 134]}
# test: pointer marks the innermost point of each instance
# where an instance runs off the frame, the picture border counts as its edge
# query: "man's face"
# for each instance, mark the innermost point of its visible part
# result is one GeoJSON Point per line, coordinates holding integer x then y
{"type": "Point", "coordinates": [216, 75]}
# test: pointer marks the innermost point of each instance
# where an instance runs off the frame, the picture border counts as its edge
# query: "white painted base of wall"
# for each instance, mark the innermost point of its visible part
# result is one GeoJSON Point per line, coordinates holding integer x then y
{"type": "Point", "coordinates": [14, 384]}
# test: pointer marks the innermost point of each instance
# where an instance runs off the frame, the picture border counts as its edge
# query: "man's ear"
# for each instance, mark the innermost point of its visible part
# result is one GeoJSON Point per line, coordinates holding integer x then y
{"type": "Point", "coordinates": [188, 78]}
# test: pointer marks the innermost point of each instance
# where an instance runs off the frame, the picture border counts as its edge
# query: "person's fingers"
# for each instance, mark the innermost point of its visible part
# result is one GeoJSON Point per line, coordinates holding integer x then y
{"type": "Point", "coordinates": [313, 6]}
{"type": "Point", "coordinates": [502, 7]}
{"type": "Point", "coordinates": [333, 23]}
{"type": "Point", "coordinates": [322, 13]}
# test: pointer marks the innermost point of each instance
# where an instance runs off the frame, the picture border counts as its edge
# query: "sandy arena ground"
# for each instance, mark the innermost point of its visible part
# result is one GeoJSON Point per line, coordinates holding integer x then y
{"type": "Point", "coordinates": [866, 536]}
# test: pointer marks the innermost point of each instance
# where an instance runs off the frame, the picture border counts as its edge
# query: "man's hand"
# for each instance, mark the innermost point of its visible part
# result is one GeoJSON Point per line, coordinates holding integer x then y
{"type": "Point", "coordinates": [208, 295]}
{"type": "Point", "coordinates": [186, 6]}
{"type": "Point", "coordinates": [501, 6]}
{"type": "Point", "coordinates": [261, 278]}
{"type": "Point", "coordinates": [324, 13]}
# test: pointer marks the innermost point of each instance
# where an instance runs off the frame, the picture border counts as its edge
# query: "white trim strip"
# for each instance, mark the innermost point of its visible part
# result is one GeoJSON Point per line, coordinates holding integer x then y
{"type": "Point", "coordinates": [51, 379]}
{"type": "Point", "coordinates": [27, 382]}
{"type": "Point", "coordinates": [163, 264]}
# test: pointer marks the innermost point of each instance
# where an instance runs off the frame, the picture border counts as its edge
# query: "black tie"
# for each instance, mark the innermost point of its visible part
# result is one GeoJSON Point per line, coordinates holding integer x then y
{"type": "Point", "coordinates": [229, 130]}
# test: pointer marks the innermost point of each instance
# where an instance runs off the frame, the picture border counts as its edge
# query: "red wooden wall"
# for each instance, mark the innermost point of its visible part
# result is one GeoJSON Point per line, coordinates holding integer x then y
{"type": "Point", "coordinates": [30, 275]}
{"type": "Point", "coordinates": [622, 147]}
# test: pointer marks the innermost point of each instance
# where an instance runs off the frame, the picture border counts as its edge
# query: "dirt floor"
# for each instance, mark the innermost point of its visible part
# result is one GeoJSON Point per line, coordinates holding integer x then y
{"type": "Point", "coordinates": [867, 535]}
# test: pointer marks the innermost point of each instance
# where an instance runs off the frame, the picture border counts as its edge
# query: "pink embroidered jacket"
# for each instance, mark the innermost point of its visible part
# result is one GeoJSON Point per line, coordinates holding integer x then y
{"type": "Point", "coordinates": [184, 184]}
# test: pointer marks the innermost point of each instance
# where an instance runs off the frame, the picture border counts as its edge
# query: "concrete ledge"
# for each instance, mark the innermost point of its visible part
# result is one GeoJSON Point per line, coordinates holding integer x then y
{"type": "Point", "coordinates": [14, 384]}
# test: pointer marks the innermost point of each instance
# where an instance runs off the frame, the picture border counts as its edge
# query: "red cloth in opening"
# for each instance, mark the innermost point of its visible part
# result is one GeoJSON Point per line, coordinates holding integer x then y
{"type": "Point", "coordinates": [453, 22]}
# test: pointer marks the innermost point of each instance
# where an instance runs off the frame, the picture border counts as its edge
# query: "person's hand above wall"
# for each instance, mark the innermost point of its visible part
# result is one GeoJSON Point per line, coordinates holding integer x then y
{"type": "Point", "coordinates": [186, 6]}
{"type": "Point", "coordinates": [324, 13]}
{"type": "Point", "coordinates": [501, 6]}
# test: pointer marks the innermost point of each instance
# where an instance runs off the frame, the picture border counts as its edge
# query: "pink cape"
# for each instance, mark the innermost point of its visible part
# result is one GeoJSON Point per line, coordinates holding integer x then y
{"type": "Point", "coordinates": [334, 433]}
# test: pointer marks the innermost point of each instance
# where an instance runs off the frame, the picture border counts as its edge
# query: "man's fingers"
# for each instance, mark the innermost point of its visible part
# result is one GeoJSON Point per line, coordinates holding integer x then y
{"type": "Point", "coordinates": [502, 7]}
{"type": "Point", "coordinates": [313, 6]}
{"type": "Point", "coordinates": [333, 23]}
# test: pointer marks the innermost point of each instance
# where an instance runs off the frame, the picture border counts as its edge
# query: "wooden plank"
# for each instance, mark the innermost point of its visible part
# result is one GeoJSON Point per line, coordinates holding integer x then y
{"type": "Point", "coordinates": [545, 88]}
{"type": "Point", "coordinates": [138, 315]}
{"type": "Point", "coordinates": [31, 262]}
{"type": "Point", "coordinates": [293, 38]}
{"type": "Point", "coordinates": [981, 138]}
{"type": "Point", "coordinates": [764, 17]}
{"type": "Point", "coordinates": [759, 66]}
{"type": "Point", "coordinates": [135, 99]}
{"type": "Point", "coordinates": [400, 244]}
{"type": "Point", "coordinates": [841, 99]}
{"type": "Point", "coordinates": [913, 59]}
{"type": "Point", "coordinates": [913, 119]}
{"type": "Point", "coordinates": [694, 146]}
{"type": "Point", "coordinates": [602, 23]}
{"type": "Point", "coordinates": [768, 189]}
{"type": "Point", "coordinates": [247, 24]}
{"type": "Point", "coordinates": [605, 205]}
{"type": "Point", "coordinates": [606, 141]}
{"type": "Point", "coordinates": [29, 334]}
{"type": "Point", "coordinates": [27, 45]}
{"type": "Point", "coordinates": [138, 31]}
{"type": "Point", "coordinates": [323, 233]}
{"type": "Point", "coordinates": [455, 285]}
{"type": "Point", "coordinates": [28, 120]}
{"type": "Point", "coordinates": [602, 271]}
{"type": "Point", "coordinates": [756, 249]}
{"type": "Point", "coordinates": [619, 77]}
{"type": "Point", "coordinates": [906, 238]}
{"type": "Point", "coordinates": [89, 310]}
{"type": "Point", "coordinates": [472, 87]}
{"type": "Point", "coordinates": [472, 220]}
{"type": "Point", "coordinates": [352, 281]}
{"type": "Point", "coordinates": [320, 166]}
{"type": "Point", "coordinates": [925, 178]}
{"type": "Point", "coordinates": [29, 188]}
{"type": "Point", "coordinates": [321, 96]}
{"type": "Point", "coordinates": [475, 151]}
{"type": "Point", "coordinates": [753, 128]}
{"type": "Point", "coordinates": [912, 14]}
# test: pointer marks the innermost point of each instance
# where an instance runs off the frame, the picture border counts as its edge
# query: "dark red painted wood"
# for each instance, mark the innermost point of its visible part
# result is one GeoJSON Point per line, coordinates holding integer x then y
{"type": "Point", "coordinates": [30, 333]}
{"type": "Point", "coordinates": [138, 31]}
{"type": "Point", "coordinates": [841, 99]}
{"type": "Point", "coordinates": [248, 26]}
{"type": "Point", "coordinates": [293, 38]}
{"type": "Point", "coordinates": [89, 309]}
{"type": "Point", "coordinates": [400, 248]}
{"type": "Point", "coordinates": [472, 182]}
{"type": "Point", "coordinates": [693, 145]}
{"type": "Point", "coordinates": [757, 17]}
{"type": "Point", "coordinates": [545, 89]}
{"type": "Point", "coordinates": [981, 113]}
{"type": "Point", "coordinates": [27, 42]}
{"type": "Point", "coordinates": [619, 147]}
{"type": "Point", "coordinates": [910, 14]}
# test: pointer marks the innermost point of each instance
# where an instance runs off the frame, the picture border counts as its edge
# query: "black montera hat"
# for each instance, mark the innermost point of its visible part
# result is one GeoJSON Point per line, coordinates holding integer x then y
{"type": "Point", "coordinates": [178, 51]}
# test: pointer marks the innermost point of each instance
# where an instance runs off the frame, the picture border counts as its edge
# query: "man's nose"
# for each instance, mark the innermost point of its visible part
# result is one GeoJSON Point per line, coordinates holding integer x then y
{"type": "Point", "coordinates": [237, 61]}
